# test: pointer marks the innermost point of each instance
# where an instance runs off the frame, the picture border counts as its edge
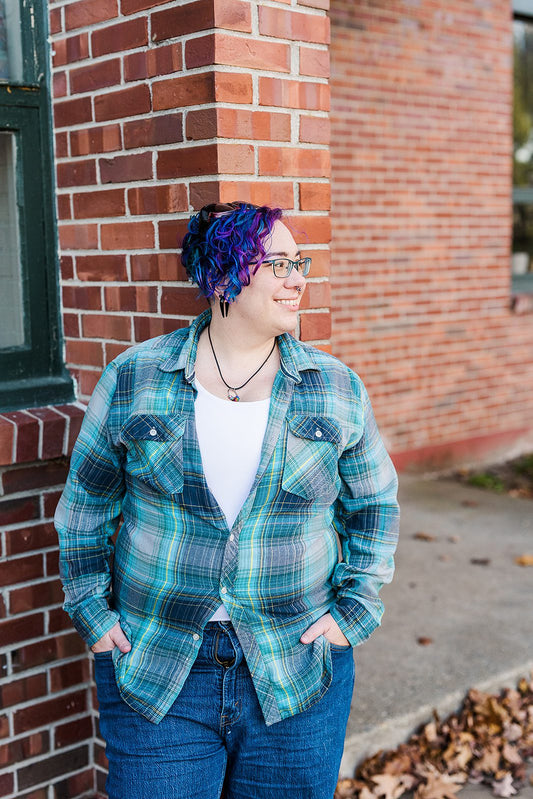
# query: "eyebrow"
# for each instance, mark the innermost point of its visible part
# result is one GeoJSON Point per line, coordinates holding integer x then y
{"type": "Point", "coordinates": [286, 255]}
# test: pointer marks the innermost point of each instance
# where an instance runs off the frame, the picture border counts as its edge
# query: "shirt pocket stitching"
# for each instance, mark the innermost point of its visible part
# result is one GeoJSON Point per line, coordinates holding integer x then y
{"type": "Point", "coordinates": [155, 451]}
{"type": "Point", "coordinates": [312, 451]}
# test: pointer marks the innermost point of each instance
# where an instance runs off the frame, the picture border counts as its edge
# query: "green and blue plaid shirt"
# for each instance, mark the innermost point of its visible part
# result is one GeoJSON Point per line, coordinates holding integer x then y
{"type": "Point", "coordinates": [324, 479]}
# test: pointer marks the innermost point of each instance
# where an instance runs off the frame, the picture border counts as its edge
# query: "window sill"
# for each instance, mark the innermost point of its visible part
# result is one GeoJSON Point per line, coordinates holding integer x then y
{"type": "Point", "coordinates": [39, 434]}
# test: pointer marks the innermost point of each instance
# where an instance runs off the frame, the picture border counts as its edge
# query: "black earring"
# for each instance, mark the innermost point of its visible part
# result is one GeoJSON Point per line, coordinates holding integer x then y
{"type": "Point", "coordinates": [224, 307]}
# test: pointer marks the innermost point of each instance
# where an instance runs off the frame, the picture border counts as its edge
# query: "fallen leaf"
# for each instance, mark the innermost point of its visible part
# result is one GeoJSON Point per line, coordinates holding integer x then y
{"type": "Point", "coordinates": [504, 787]}
{"type": "Point", "coordinates": [424, 537]}
{"type": "Point", "coordinates": [524, 560]}
{"type": "Point", "coordinates": [424, 640]}
{"type": "Point", "coordinates": [454, 539]}
{"type": "Point", "coordinates": [480, 561]}
{"type": "Point", "coordinates": [389, 786]}
{"type": "Point", "coordinates": [469, 503]}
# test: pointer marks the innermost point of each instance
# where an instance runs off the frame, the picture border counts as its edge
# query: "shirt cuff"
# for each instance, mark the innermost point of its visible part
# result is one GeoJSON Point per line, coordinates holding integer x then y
{"type": "Point", "coordinates": [92, 619]}
{"type": "Point", "coordinates": [354, 620]}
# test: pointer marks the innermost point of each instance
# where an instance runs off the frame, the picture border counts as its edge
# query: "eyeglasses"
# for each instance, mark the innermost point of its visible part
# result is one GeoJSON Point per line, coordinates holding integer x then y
{"type": "Point", "coordinates": [282, 267]}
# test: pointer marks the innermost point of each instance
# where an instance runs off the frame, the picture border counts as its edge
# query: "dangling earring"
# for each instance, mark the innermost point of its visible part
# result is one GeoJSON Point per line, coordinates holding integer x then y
{"type": "Point", "coordinates": [224, 307]}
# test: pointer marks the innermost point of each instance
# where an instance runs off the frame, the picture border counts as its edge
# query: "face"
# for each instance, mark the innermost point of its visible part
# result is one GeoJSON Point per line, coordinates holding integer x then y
{"type": "Point", "coordinates": [270, 304]}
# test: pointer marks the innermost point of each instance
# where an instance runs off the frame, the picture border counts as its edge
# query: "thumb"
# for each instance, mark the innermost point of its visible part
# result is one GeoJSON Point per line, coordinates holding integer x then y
{"type": "Point", "coordinates": [119, 639]}
{"type": "Point", "coordinates": [317, 628]}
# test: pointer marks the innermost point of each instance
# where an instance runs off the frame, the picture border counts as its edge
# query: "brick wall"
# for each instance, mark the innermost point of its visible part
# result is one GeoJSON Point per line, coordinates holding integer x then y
{"type": "Point", "coordinates": [158, 109]}
{"type": "Point", "coordinates": [421, 191]}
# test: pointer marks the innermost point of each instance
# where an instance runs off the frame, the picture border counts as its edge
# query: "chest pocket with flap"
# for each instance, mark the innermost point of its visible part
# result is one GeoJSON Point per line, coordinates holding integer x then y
{"type": "Point", "coordinates": [155, 450]}
{"type": "Point", "coordinates": [311, 457]}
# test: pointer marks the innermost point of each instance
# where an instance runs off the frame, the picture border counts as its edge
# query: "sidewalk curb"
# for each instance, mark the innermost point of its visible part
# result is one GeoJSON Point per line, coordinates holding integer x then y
{"type": "Point", "coordinates": [395, 731]}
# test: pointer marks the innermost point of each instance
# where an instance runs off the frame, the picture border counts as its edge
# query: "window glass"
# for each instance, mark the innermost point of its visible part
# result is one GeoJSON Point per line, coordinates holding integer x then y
{"type": "Point", "coordinates": [10, 42]}
{"type": "Point", "coordinates": [522, 258]}
{"type": "Point", "coordinates": [11, 311]}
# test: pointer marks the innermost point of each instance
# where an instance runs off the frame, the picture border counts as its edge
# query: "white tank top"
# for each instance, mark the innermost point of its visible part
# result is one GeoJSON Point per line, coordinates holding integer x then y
{"type": "Point", "coordinates": [230, 435]}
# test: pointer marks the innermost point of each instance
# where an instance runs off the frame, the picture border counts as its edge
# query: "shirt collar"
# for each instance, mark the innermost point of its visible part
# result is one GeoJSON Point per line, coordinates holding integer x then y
{"type": "Point", "coordinates": [294, 357]}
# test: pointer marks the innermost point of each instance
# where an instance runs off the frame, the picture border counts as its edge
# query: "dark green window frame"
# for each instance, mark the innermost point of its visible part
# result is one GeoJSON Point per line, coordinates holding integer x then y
{"type": "Point", "coordinates": [33, 374]}
{"type": "Point", "coordinates": [522, 284]}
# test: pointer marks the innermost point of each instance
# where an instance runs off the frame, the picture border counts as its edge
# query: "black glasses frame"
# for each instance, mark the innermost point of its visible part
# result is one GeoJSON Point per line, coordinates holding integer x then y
{"type": "Point", "coordinates": [293, 265]}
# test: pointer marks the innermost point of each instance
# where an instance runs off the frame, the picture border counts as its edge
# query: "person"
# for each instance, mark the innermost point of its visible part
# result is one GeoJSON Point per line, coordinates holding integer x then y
{"type": "Point", "coordinates": [257, 520]}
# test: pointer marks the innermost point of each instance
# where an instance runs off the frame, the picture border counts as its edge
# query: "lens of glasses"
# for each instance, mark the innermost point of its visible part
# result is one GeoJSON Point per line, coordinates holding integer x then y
{"type": "Point", "coordinates": [283, 266]}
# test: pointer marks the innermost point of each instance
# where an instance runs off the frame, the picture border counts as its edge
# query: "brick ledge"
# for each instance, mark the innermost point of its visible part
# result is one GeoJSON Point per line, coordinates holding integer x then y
{"type": "Point", "coordinates": [39, 434]}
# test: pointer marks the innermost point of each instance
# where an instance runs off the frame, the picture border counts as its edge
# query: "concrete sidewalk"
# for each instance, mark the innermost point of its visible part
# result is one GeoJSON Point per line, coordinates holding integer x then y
{"type": "Point", "coordinates": [478, 617]}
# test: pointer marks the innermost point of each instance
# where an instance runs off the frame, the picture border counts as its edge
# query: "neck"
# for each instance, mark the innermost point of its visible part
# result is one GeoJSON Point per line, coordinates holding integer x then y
{"type": "Point", "coordinates": [235, 344]}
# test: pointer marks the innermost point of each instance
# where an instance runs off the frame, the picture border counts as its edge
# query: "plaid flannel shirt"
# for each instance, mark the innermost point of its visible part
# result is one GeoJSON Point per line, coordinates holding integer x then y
{"type": "Point", "coordinates": [317, 532]}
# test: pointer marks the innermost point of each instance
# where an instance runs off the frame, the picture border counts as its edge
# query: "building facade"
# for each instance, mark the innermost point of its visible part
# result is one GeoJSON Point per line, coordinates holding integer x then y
{"type": "Point", "coordinates": [384, 127]}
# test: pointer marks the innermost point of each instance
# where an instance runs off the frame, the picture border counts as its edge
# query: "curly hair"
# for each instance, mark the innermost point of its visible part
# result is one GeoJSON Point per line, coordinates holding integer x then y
{"type": "Point", "coordinates": [225, 241]}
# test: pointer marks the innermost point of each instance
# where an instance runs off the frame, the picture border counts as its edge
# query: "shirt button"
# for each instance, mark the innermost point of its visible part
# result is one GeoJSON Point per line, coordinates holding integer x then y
{"type": "Point", "coordinates": [153, 431]}
{"type": "Point", "coordinates": [318, 433]}
{"type": "Point", "coordinates": [195, 636]}
{"type": "Point", "coordinates": [223, 590]}
{"type": "Point", "coordinates": [231, 537]}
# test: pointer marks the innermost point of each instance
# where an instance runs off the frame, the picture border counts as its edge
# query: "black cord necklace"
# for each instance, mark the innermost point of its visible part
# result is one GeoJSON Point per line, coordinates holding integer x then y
{"type": "Point", "coordinates": [232, 390]}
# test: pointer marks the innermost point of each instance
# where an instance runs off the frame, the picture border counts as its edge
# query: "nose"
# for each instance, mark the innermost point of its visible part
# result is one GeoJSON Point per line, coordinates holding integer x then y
{"type": "Point", "coordinates": [295, 279]}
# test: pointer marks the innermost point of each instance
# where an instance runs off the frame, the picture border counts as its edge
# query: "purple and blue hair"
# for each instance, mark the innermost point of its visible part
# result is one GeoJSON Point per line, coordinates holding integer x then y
{"type": "Point", "coordinates": [223, 243]}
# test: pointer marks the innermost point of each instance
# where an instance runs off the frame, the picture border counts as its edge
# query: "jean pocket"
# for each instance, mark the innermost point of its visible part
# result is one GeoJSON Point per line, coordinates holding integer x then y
{"type": "Point", "coordinates": [106, 653]}
{"type": "Point", "coordinates": [339, 647]}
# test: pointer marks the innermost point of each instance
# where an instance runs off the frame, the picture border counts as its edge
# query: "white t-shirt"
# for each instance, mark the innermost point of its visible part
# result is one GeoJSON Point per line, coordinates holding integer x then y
{"type": "Point", "coordinates": [230, 435]}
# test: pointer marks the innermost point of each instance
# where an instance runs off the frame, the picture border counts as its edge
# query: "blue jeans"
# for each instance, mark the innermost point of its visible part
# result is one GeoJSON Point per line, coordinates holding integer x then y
{"type": "Point", "coordinates": [214, 742]}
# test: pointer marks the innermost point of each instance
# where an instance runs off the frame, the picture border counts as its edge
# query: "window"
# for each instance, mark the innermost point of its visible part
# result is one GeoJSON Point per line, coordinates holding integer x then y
{"type": "Point", "coordinates": [31, 372]}
{"type": "Point", "coordinates": [522, 255]}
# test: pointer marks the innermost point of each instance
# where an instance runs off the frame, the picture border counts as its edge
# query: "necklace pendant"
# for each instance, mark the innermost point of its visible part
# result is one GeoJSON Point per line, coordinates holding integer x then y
{"type": "Point", "coordinates": [232, 395]}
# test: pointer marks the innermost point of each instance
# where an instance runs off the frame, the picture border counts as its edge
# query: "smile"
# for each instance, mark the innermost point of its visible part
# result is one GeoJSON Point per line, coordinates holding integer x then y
{"type": "Point", "coordinates": [291, 303]}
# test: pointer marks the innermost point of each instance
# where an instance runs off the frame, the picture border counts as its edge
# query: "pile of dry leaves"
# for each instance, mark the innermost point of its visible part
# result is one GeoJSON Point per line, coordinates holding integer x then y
{"type": "Point", "coordinates": [487, 741]}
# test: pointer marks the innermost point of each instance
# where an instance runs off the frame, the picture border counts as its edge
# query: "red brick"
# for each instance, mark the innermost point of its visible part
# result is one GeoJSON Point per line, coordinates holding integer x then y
{"type": "Point", "coordinates": [67, 675]}
{"type": "Point", "coordinates": [233, 15]}
{"type": "Point", "coordinates": [116, 38]}
{"type": "Point", "coordinates": [6, 784]}
{"type": "Point", "coordinates": [131, 298]}
{"type": "Point", "coordinates": [315, 326]}
{"type": "Point", "coordinates": [52, 433]}
{"type": "Point", "coordinates": [314, 62]}
{"type": "Point", "coordinates": [157, 267]}
{"type": "Point", "coordinates": [55, 20]}
{"type": "Point", "coordinates": [315, 196]}
{"type": "Point", "coordinates": [27, 436]}
{"type": "Point", "coordinates": [170, 199]}
{"type": "Point", "coordinates": [293, 161]}
{"type": "Point", "coordinates": [99, 203]}
{"type": "Point", "coordinates": [41, 475]}
{"type": "Point", "coordinates": [124, 168]}
{"type": "Point", "coordinates": [89, 12]}
{"type": "Point", "coordinates": [156, 61]}
{"type": "Point", "coordinates": [218, 48]}
{"type": "Point", "coordinates": [87, 380]}
{"type": "Point", "coordinates": [124, 103]}
{"type": "Point", "coordinates": [208, 191]}
{"type": "Point", "coordinates": [316, 295]}
{"type": "Point", "coordinates": [202, 123]}
{"type": "Point", "coordinates": [234, 123]}
{"type": "Point", "coordinates": [73, 732]}
{"type": "Point", "coordinates": [86, 297]}
{"type": "Point", "coordinates": [61, 144]}
{"type": "Point", "coordinates": [71, 325]}
{"type": "Point", "coordinates": [76, 173]}
{"type": "Point", "coordinates": [323, 4]}
{"type": "Point", "coordinates": [7, 437]}
{"type": "Point", "coordinates": [4, 728]}
{"type": "Point", "coordinates": [98, 326]}
{"type": "Point", "coordinates": [72, 112]}
{"type": "Point", "coordinates": [187, 161]}
{"type": "Point", "coordinates": [176, 300]}
{"type": "Point", "coordinates": [185, 90]}
{"type": "Point", "coordinates": [40, 595]}
{"type": "Point", "coordinates": [165, 129]}
{"type": "Point", "coordinates": [75, 416]}
{"type": "Point", "coordinates": [50, 499]}
{"type": "Point", "coordinates": [18, 510]}
{"type": "Point", "coordinates": [67, 267]}
{"type": "Point", "coordinates": [20, 569]}
{"type": "Point", "coordinates": [128, 236]}
{"type": "Point", "coordinates": [273, 193]}
{"type": "Point", "coordinates": [71, 49]}
{"type": "Point", "coordinates": [59, 84]}
{"type": "Point", "coordinates": [101, 267]}
{"type": "Point", "coordinates": [113, 350]}
{"type": "Point", "coordinates": [64, 210]}
{"type": "Point", "coordinates": [131, 6]}
{"type": "Point", "coordinates": [21, 749]}
{"type": "Point", "coordinates": [310, 229]}
{"type": "Point", "coordinates": [171, 233]}
{"type": "Point", "coordinates": [29, 538]}
{"type": "Point", "coordinates": [233, 87]}
{"type": "Point", "coordinates": [149, 326]}
{"type": "Point", "coordinates": [95, 140]}
{"type": "Point", "coordinates": [12, 631]}
{"type": "Point", "coordinates": [285, 93]}
{"type": "Point", "coordinates": [45, 713]}
{"type": "Point", "coordinates": [315, 130]}
{"type": "Point", "coordinates": [47, 769]}
{"type": "Point", "coordinates": [285, 24]}
{"type": "Point", "coordinates": [18, 691]}
{"type": "Point", "coordinates": [58, 621]}
{"type": "Point", "coordinates": [95, 76]}
{"type": "Point", "coordinates": [86, 353]}
{"type": "Point", "coordinates": [78, 237]}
